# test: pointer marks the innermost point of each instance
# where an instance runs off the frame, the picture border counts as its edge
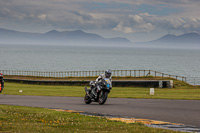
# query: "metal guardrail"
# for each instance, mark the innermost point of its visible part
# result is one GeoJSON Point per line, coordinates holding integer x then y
{"type": "Point", "coordinates": [115, 73]}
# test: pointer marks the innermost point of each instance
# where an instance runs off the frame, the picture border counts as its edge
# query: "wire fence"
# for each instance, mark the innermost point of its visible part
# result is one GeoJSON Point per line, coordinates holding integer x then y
{"type": "Point", "coordinates": [115, 73]}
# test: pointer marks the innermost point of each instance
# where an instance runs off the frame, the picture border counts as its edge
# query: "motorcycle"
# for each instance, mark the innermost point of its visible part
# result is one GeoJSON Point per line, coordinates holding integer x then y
{"type": "Point", "coordinates": [1, 82]}
{"type": "Point", "coordinates": [98, 92]}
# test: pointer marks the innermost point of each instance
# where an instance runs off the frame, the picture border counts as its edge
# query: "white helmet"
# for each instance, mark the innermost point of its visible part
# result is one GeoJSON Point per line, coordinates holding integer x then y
{"type": "Point", "coordinates": [108, 73]}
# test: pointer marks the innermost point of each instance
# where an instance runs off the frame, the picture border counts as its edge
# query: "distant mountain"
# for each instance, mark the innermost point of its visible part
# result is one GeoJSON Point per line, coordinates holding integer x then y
{"type": "Point", "coordinates": [77, 37]}
{"type": "Point", "coordinates": [185, 38]}
{"type": "Point", "coordinates": [188, 40]}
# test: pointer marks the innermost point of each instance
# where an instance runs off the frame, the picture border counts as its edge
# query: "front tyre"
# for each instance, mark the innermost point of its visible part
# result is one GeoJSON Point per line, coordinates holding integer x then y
{"type": "Point", "coordinates": [87, 99]}
{"type": "Point", "coordinates": [102, 97]}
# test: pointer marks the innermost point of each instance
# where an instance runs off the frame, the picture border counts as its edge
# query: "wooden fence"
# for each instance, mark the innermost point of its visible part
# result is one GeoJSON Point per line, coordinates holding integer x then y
{"type": "Point", "coordinates": [115, 73]}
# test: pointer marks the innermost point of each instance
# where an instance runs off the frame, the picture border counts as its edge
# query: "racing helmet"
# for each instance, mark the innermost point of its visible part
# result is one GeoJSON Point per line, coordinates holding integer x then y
{"type": "Point", "coordinates": [108, 73]}
{"type": "Point", "coordinates": [92, 83]}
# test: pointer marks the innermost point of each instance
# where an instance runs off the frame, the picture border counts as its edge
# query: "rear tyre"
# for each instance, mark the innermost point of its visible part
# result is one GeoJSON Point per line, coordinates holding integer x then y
{"type": "Point", "coordinates": [102, 97]}
{"type": "Point", "coordinates": [87, 99]}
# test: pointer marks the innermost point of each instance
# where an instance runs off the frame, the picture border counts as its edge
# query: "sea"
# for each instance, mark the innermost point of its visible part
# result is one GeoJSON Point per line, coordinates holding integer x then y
{"type": "Point", "coordinates": [51, 58]}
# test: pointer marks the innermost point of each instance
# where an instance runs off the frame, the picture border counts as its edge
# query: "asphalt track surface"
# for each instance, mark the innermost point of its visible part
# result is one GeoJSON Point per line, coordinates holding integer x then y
{"type": "Point", "coordinates": [176, 111]}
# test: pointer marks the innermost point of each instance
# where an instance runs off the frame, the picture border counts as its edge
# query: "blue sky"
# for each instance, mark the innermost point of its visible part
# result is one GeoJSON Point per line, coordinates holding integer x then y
{"type": "Point", "coordinates": [137, 20]}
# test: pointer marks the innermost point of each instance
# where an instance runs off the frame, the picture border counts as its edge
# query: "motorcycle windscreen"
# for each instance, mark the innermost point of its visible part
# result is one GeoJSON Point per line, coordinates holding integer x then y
{"type": "Point", "coordinates": [107, 80]}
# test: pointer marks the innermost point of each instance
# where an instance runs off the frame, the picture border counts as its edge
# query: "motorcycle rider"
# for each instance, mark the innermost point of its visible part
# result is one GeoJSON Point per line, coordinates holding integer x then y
{"type": "Point", "coordinates": [107, 74]}
{"type": "Point", "coordinates": [1, 82]}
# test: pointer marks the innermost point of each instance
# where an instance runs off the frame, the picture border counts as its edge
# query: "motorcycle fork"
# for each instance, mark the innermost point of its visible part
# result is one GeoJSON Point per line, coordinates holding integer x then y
{"type": "Point", "coordinates": [87, 92]}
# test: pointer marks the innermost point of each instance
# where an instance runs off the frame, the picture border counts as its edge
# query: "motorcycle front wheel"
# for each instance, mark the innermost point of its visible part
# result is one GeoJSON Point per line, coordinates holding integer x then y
{"type": "Point", "coordinates": [102, 97]}
{"type": "Point", "coordinates": [87, 99]}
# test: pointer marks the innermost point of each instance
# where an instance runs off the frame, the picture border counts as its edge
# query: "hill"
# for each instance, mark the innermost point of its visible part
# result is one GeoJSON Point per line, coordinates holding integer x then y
{"type": "Point", "coordinates": [188, 40]}
{"type": "Point", "coordinates": [77, 37]}
{"type": "Point", "coordinates": [185, 38]}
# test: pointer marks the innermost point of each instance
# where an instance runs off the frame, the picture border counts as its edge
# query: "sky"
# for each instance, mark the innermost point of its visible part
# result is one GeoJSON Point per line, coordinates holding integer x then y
{"type": "Point", "coordinates": [137, 20]}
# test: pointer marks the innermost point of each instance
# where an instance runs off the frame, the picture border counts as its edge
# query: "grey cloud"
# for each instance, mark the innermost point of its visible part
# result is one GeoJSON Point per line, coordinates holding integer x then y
{"type": "Point", "coordinates": [71, 14]}
{"type": "Point", "coordinates": [147, 23]}
{"type": "Point", "coordinates": [61, 15]}
{"type": "Point", "coordinates": [167, 23]}
{"type": "Point", "coordinates": [83, 16]}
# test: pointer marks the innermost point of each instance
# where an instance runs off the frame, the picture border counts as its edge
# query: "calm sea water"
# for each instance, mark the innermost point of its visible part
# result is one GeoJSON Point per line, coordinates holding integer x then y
{"type": "Point", "coordinates": [68, 58]}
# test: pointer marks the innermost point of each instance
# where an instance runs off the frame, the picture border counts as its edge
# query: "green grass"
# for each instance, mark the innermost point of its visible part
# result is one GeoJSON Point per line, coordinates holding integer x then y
{"type": "Point", "coordinates": [43, 90]}
{"type": "Point", "coordinates": [29, 119]}
{"type": "Point", "coordinates": [181, 91]}
{"type": "Point", "coordinates": [186, 94]}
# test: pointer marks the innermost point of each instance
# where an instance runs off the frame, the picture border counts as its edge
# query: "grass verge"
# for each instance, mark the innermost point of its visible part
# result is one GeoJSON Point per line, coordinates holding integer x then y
{"type": "Point", "coordinates": [29, 119]}
{"type": "Point", "coordinates": [181, 91]}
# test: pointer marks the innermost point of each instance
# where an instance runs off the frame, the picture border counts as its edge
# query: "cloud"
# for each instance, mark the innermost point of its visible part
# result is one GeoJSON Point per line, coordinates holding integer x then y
{"type": "Point", "coordinates": [120, 27]}
{"type": "Point", "coordinates": [147, 27]}
{"type": "Point", "coordinates": [42, 16]}
{"type": "Point", "coordinates": [134, 24]}
{"type": "Point", "coordinates": [140, 23]}
{"type": "Point", "coordinates": [127, 16]}
{"type": "Point", "coordinates": [146, 23]}
{"type": "Point", "coordinates": [136, 18]}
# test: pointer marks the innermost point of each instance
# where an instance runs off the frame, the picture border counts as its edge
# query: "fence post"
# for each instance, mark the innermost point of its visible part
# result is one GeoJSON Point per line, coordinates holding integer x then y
{"type": "Point", "coordinates": [139, 73]}
{"type": "Point", "coordinates": [134, 73]}
{"type": "Point", "coordinates": [155, 73]}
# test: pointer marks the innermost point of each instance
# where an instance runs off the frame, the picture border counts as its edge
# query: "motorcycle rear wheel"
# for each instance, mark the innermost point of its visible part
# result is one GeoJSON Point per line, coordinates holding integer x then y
{"type": "Point", "coordinates": [102, 97]}
{"type": "Point", "coordinates": [87, 99]}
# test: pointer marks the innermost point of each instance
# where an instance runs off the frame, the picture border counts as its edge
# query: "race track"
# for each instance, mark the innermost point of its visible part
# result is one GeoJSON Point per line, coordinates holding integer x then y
{"type": "Point", "coordinates": [176, 111]}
